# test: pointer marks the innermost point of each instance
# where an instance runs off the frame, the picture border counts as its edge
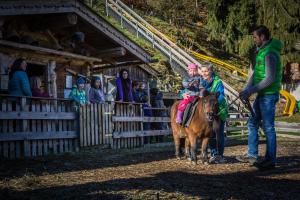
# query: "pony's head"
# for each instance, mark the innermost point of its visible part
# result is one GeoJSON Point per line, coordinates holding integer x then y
{"type": "Point", "coordinates": [210, 105]}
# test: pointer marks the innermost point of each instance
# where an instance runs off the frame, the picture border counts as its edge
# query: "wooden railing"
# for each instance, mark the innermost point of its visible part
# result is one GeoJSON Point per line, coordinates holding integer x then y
{"type": "Point", "coordinates": [36, 126]}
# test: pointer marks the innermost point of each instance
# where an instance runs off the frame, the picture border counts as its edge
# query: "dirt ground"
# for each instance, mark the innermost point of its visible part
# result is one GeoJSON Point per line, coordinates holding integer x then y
{"type": "Point", "coordinates": [151, 173]}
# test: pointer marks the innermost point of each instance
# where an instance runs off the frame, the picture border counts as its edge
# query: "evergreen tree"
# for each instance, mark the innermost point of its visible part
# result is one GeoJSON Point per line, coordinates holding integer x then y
{"type": "Point", "coordinates": [231, 22]}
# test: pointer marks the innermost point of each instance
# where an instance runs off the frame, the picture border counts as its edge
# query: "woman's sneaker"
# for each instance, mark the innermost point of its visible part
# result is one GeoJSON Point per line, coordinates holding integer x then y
{"type": "Point", "coordinates": [246, 159]}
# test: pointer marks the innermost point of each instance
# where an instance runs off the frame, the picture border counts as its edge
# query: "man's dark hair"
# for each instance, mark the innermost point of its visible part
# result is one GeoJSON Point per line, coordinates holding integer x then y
{"type": "Point", "coordinates": [262, 30]}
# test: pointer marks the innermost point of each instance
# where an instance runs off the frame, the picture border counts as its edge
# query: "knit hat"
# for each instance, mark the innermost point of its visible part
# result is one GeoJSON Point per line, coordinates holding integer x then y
{"type": "Point", "coordinates": [96, 78]}
{"type": "Point", "coordinates": [80, 80]}
{"type": "Point", "coordinates": [192, 66]}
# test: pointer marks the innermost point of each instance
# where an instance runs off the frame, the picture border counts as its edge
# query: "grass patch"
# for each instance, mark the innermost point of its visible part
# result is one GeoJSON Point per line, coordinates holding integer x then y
{"type": "Point", "coordinates": [293, 119]}
{"type": "Point", "coordinates": [289, 133]}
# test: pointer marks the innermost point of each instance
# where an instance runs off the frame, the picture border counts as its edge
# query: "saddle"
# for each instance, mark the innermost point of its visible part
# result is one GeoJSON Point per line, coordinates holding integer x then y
{"type": "Point", "coordinates": [189, 112]}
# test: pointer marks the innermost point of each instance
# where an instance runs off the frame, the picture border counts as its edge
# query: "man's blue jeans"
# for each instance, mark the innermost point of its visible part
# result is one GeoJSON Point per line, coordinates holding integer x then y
{"type": "Point", "coordinates": [217, 143]}
{"type": "Point", "coordinates": [264, 109]}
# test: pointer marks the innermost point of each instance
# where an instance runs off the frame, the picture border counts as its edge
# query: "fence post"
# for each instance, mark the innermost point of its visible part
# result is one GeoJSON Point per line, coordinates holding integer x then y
{"type": "Point", "coordinates": [152, 36]}
{"type": "Point", "coordinates": [24, 108]}
{"type": "Point", "coordinates": [142, 127]}
{"type": "Point", "coordinates": [106, 8]}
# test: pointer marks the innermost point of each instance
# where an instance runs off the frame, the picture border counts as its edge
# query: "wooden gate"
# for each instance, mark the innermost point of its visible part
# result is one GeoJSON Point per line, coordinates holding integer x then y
{"type": "Point", "coordinates": [116, 124]}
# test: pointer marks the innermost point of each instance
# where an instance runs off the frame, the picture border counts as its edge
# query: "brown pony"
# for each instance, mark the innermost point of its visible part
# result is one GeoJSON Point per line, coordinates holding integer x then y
{"type": "Point", "coordinates": [203, 125]}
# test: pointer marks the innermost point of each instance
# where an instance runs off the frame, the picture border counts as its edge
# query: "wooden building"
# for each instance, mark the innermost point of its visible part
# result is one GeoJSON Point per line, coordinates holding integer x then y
{"type": "Point", "coordinates": [61, 39]}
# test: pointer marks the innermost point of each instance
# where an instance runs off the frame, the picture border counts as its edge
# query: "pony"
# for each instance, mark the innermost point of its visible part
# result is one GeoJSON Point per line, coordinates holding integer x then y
{"type": "Point", "coordinates": [204, 123]}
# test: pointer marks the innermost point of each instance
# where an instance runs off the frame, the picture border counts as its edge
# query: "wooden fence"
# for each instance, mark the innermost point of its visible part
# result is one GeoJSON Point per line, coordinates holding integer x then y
{"type": "Point", "coordinates": [117, 124]}
{"type": "Point", "coordinates": [32, 127]}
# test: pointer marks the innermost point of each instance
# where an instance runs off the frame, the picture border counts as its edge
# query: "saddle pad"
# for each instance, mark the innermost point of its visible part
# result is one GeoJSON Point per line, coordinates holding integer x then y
{"type": "Point", "coordinates": [189, 112]}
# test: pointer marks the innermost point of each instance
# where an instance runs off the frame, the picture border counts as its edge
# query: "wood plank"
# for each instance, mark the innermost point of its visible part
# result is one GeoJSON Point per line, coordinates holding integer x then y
{"type": "Point", "coordinates": [127, 124]}
{"type": "Point", "coordinates": [236, 119]}
{"type": "Point", "coordinates": [18, 122]}
{"type": "Point", "coordinates": [111, 126]}
{"type": "Point", "coordinates": [39, 143]}
{"type": "Point", "coordinates": [34, 128]}
{"type": "Point", "coordinates": [10, 122]}
{"type": "Point", "coordinates": [71, 148]}
{"type": "Point", "coordinates": [48, 121]}
{"type": "Point", "coordinates": [37, 136]}
{"type": "Point", "coordinates": [239, 128]}
{"type": "Point", "coordinates": [64, 122]}
{"type": "Point", "coordinates": [37, 115]}
{"type": "Point", "coordinates": [85, 126]}
{"type": "Point", "coordinates": [92, 125]}
{"type": "Point", "coordinates": [128, 134]}
{"type": "Point", "coordinates": [45, 147]}
{"type": "Point", "coordinates": [18, 149]}
{"type": "Point", "coordinates": [4, 122]}
{"type": "Point", "coordinates": [45, 129]}
{"type": "Point", "coordinates": [123, 125]}
{"type": "Point", "coordinates": [140, 119]}
{"type": "Point", "coordinates": [26, 143]}
{"type": "Point", "coordinates": [66, 145]}
{"type": "Point", "coordinates": [59, 110]}
{"type": "Point", "coordinates": [55, 146]}
{"type": "Point", "coordinates": [81, 125]}
{"type": "Point", "coordinates": [88, 127]}
{"type": "Point", "coordinates": [61, 145]}
{"type": "Point", "coordinates": [38, 122]}
{"type": "Point", "coordinates": [141, 124]}
{"type": "Point", "coordinates": [12, 151]}
{"type": "Point", "coordinates": [101, 123]}
{"type": "Point", "coordinates": [96, 124]}
{"type": "Point", "coordinates": [5, 149]}
{"type": "Point", "coordinates": [106, 108]}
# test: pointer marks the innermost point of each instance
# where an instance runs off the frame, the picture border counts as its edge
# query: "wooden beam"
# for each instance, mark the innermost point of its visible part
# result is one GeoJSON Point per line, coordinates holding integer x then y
{"type": "Point", "coordinates": [116, 64]}
{"type": "Point", "coordinates": [112, 53]}
{"type": "Point", "coordinates": [131, 134]}
{"type": "Point", "coordinates": [140, 119]}
{"type": "Point", "coordinates": [17, 136]}
{"type": "Point", "coordinates": [42, 50]}
{"type": "Point", "coordinates": [38, 115]}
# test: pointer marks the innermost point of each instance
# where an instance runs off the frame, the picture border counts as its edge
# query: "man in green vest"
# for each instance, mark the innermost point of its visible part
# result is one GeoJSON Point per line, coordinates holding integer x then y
{"type": "Point", "coordinates": [266, 82]}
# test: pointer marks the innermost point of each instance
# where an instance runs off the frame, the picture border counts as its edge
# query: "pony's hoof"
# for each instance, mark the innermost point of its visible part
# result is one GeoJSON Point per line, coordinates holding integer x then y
{"type": "Point", "coordinates": [178, 158]}
{"type": "Point", "coordinates": [194, 163]}
{"type": "Point", "coordinates": [206, 163]}
{"type": "Point", "coordinates": [189, 159]}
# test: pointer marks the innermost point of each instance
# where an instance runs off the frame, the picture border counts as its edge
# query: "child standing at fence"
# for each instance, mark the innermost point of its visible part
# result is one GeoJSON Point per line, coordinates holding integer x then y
{"type": "Point", "coordinates": [78, 93]}
{"type": "Point", "coordinates": [191, 90]}
{"type": "Point", "coordinates": [96, 94]}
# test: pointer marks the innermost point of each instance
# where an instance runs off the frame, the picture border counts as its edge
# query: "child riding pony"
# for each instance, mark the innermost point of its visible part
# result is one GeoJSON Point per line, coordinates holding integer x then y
{"type": "Point", "coordinates": [191, 90]}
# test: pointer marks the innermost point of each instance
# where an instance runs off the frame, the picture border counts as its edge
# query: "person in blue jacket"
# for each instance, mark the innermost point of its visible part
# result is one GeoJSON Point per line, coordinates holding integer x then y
{"type": "Point", "coordinates": [18, 84]}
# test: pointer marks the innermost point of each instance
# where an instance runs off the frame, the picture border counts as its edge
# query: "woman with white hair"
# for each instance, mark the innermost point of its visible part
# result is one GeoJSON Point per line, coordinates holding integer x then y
{"type": "Point", "coordinates": [212, 83]}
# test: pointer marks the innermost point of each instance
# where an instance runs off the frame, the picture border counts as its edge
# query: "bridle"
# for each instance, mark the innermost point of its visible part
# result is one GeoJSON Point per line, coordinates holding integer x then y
{"type": "Point", "coordinates": [212, 114]}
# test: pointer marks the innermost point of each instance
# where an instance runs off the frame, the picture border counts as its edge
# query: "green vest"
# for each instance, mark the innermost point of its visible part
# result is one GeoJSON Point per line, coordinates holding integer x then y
{"type": "Point", "coordinates": [274, 47]}
{"type": "Point", "coordinates": [223, 107]}
{"type": "Point", "coordinates": [298, 106]}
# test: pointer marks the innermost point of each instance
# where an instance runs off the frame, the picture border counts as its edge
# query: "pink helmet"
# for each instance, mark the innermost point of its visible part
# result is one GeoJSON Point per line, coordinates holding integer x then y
{"type": "Point", "coordinates": [192, 66]}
